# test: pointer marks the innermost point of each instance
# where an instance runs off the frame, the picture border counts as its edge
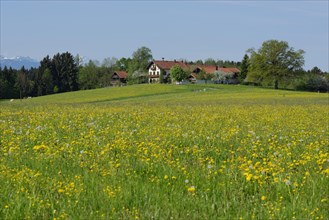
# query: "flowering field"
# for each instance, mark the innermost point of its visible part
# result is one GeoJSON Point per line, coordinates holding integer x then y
{"type": "Point", "coordinates": [165, 151]}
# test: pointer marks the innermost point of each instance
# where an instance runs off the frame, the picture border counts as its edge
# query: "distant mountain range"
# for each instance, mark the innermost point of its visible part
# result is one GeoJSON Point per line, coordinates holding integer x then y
{"type": "Point", "coordinates": [18, 62]}
{"type": "Point", "coordinates": [28, 62]}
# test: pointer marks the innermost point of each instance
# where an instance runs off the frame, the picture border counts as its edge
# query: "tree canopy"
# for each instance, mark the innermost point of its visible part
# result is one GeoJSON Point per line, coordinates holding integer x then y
{"type": "Point", "coordinates": [177, 73]}
{"type": "Point", "coordinates": [65, 72]}
{"type": "Point", "coordinates": [244, 68]}
{"type": "Point", "coordinates": [140, 59]}
{"type": "Point", "coordinates": [274, 61]}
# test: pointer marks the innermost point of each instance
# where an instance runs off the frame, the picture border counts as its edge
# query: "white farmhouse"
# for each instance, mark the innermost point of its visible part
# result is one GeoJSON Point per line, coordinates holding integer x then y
{"type": "Point", "coordinates": [156, 66]}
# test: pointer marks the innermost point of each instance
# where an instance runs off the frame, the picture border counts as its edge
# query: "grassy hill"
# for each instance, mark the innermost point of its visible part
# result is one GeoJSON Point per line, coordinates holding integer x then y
{"type": "Point", "coordinates": [166, 151]}
{"type": "Point", "coordinates": [182, 94]}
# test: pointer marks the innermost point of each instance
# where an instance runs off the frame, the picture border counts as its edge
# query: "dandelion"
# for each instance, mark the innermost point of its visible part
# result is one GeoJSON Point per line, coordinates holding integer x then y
{"type": "Point", "coordinates": [191, 189]}
{"type": "Point", "coordinates": [40, 148]}
{"type": "Point", "coordinates": [248, 176]}
{"type": "Point", "coordinates": [60, 190]}
{"type": "Point", "coordinates": [263, 198]}
{"type": "Point", "coordinates": [187, 181]}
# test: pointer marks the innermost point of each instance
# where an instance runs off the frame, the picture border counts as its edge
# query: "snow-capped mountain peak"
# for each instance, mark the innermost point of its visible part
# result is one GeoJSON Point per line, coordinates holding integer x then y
{"type": "Point", "coordinates": [18, 61]}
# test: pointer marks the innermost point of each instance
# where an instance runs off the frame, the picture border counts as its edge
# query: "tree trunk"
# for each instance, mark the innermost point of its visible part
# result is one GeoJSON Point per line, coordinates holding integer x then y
{"type": "Point", "coordinates": [276, 84]}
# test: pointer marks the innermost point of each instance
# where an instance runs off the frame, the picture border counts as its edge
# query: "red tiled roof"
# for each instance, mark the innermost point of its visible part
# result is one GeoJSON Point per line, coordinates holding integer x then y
{"type": "Point", "coordinates": [212, 69]}
{"type": "Point", "coordinates": [229, 70]}
{"type": "Point", "coordinates": [166, 65]}
{"type": "Point", "coordinates": [121, 74]}
{"type": "Point", "coordinates": [209, 69]}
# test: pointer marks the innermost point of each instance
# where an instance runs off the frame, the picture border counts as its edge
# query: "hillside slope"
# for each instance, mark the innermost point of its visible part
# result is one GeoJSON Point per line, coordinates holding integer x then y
{"type": "Point", "coordinates": [178, 94]}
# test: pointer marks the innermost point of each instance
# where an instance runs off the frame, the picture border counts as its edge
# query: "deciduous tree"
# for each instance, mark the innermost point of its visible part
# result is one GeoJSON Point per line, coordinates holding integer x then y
{"type": "Point", "coordinates": [274, 61]}
{"type": "Point", "coordinates": [177, 73]}
{"type": "Point", "coordinates": [140, 59]}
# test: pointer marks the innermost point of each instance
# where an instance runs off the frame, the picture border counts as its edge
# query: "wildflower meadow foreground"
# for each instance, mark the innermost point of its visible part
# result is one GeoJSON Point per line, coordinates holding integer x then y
{"type": "Point", "coordinates": [166, 151]}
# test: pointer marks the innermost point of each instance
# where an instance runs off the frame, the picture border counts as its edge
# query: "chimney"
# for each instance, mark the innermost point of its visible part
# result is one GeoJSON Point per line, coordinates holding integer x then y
{"type": "Point", "coordinates": [175, 61]}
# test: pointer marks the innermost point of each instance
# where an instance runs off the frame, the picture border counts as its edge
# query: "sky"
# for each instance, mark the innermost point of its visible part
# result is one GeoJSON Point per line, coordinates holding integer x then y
{"type": "Point", "coordinates": [190, 30]}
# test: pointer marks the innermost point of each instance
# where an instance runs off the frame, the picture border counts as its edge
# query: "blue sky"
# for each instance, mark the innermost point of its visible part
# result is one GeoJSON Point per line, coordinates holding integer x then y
{"type": "Point", "coordinates": [171, 29]}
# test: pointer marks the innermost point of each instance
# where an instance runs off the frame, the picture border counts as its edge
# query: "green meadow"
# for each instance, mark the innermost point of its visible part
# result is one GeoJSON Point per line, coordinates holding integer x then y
{"type": "Point", "coordinates": [166, 152]}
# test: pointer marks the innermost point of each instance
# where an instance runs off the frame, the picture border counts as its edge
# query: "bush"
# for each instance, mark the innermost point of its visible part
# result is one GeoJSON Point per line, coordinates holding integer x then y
{"type": "Point", "coordinates": [313, 83]}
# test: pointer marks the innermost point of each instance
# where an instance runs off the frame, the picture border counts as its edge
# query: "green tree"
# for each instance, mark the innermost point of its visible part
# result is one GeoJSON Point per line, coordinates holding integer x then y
{"type": "Point", "coordinates": [23, 83]}
{"type": "Point", "coordinates": [313, 82]}
{"type": "Point", "coordinates": [210, 62]}
{"type": "Point", "coordinates": [65, 72]}
{"type": "Point", "coordinates": [7, 83]}
{"type": "Point", "coordinates": [123, 64]}
{"type": "Point", "coordinates": [47, 82]}
{"type": "Point", "coordinates": [316, 70]}
{"type": "Point", "coordinates": [274, 61]}
{"type": "Point", "coordinates": [140, 59]}
{"type": "Point", "coordinates": [177, 73]}
{"type": "Point", "coordinates": [104, 75]}
{"type": "Point", "coordinates": [109, 62]}
{"type": "Point", "coordinates": [38, 83]}
{"type": "Point", "coordinates": [78, 60]}
{"type": "Point", "coordinates": [139, 76]}
{"type": "Point", "coordinates": [244, 68]}
{"type": "Point", "coordinates": [87, 76]}
{"type": "Point", "coordinates": [199, 62]}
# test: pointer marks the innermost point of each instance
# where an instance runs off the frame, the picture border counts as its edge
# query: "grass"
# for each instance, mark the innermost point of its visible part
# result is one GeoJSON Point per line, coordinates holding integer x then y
{"type": "Point", "coordinates": [166, 151]}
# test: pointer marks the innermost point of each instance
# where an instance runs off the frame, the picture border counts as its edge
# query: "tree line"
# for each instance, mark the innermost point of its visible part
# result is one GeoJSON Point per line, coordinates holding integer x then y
{"type": "Point", "coordinates": [274, 64]}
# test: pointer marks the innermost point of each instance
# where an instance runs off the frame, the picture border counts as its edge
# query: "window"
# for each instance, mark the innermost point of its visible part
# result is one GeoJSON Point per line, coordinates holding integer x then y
{"type": "Point", "coordinates": [158, 73]}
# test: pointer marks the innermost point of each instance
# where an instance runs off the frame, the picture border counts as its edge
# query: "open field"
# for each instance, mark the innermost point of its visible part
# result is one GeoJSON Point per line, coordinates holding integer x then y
{"type": "Point", "coordinates": [166, 151]}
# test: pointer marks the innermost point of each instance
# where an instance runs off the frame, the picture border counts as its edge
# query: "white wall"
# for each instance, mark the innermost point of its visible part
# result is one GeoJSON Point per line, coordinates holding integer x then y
{"type": "Point", "coordinates": [156, 72]}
